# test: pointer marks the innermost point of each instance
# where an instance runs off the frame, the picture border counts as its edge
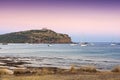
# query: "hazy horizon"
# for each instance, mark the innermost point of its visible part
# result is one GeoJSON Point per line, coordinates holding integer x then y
{"type": "Point", "coordinates": [82, 20]}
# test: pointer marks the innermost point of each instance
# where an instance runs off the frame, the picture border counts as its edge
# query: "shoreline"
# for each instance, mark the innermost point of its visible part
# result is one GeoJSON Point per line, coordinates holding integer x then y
{"type": "Point", "coordinates": [15, 70]}
{"type": "Point", "coordinates": [53, 73]}
{"type": "Point", "coordinates": [62, 56]}
{"type": "Point", "coordinates": [24, 62]}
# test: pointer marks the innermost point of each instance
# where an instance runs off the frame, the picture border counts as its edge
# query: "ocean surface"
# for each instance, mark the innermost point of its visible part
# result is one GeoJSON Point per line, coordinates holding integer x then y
{"type": "Point", "coordinates": [101, 55]}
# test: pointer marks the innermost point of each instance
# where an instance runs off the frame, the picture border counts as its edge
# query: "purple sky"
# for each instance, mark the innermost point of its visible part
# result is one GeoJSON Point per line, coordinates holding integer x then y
{"type": "Point", "coordinates": [83, 20]}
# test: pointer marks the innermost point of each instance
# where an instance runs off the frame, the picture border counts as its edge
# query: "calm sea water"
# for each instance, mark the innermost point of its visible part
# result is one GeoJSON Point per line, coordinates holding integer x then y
{"type": "Point", "coordinates": [101, 55]}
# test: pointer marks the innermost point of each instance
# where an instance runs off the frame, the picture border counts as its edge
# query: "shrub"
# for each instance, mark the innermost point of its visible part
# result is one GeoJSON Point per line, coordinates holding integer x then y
{"type": "Point", "coordinates": [88, 69]}
{"type": "Point", "coordinates": [116, 69]}
{"type": "Point", "coordinates": [21, 71]}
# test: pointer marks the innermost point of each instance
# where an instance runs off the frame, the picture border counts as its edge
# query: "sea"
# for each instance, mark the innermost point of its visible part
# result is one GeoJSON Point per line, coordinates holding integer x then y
{"type": "Point", "coordinates": [102, 55]}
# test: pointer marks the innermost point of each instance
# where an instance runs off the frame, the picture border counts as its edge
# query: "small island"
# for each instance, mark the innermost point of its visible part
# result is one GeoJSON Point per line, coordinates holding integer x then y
{"type": "Point", "coordinates": [35, 36]}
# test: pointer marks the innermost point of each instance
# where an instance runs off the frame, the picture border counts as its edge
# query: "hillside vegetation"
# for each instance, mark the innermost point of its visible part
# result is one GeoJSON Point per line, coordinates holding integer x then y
{"type": "Point", "coordinates": [35, 36]}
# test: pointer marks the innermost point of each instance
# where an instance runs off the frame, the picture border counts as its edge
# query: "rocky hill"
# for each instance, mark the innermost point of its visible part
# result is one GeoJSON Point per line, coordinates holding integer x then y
{"type": "Point", "coordinates": [35, 36]}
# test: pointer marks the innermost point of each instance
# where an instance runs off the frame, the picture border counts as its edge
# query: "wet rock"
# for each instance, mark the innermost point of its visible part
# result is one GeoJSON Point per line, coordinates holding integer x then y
{"type": "Point", "coordinates": [4, 67]}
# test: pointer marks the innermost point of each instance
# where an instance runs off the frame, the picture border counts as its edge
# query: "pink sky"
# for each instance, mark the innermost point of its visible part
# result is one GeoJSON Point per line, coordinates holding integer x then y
{"type": "Point", "coordinates": [73, 21]}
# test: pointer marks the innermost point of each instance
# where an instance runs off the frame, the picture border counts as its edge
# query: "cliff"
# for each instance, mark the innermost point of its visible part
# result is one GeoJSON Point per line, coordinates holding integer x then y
{"type": "Point", "coordinates": [35, 36]}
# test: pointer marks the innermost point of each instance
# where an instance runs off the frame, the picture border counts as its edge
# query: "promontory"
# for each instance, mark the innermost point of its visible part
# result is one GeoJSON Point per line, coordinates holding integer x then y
{"type": "Point", "coordinates": [35, 36]}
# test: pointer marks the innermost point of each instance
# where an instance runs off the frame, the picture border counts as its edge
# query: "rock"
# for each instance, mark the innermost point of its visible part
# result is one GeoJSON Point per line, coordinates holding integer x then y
{"type": "Point", "coordinates": [2, 63]}
{"type": "Point", "coordinates": [4, 67]}
{"type": "Point", "coordinates": [5, 71]}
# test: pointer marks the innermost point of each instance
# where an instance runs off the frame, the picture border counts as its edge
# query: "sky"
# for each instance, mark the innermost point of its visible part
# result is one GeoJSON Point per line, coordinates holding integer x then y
{"type": "Point", "coordinates": [82, 20]}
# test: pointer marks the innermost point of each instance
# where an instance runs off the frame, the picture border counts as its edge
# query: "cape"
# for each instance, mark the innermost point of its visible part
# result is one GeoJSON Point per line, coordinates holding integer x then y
{"type": "Point", "coordinates": [35, 36]}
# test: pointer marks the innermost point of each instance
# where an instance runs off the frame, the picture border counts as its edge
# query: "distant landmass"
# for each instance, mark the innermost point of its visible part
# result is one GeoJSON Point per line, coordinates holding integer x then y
{"type": "Point", "coordinates": [35, 36]}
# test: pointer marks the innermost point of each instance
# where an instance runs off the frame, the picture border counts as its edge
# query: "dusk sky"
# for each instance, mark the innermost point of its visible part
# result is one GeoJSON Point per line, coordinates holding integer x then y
{"type": "Point", "coordinates": [83, 20]}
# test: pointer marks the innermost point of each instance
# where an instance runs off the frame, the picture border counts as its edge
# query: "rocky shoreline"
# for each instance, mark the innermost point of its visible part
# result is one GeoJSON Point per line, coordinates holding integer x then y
{"type": "Point", "coordinates": [20, 66]}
